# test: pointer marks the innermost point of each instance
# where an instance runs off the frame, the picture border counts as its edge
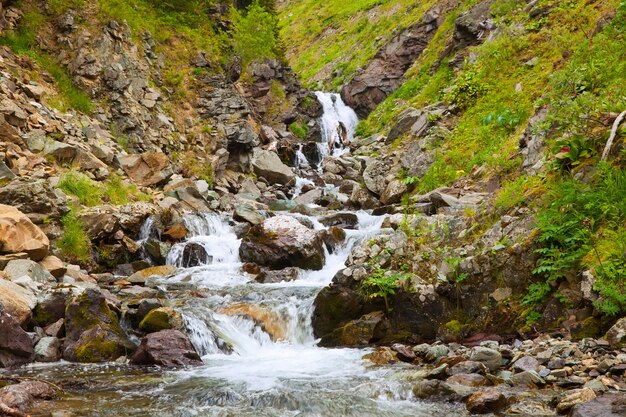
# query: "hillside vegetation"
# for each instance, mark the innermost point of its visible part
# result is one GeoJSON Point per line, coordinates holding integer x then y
{"type": "Point", "coordinates": [549, 70]}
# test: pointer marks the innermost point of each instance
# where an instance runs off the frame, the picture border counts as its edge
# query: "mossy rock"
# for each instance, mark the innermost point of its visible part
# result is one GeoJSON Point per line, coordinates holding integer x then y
{"type": "Point", "coordinates": [98, 345]}
{"type": "Point", "coordinates": [163, 318]}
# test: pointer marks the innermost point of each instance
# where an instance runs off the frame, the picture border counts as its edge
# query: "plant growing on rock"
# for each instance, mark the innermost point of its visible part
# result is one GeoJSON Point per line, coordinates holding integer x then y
{"type": "Point", "coordinates": [382, 285]}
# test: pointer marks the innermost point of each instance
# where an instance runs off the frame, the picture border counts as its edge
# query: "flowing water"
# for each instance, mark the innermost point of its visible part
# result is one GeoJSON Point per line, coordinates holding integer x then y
{"type": "Point", "coordinates": [256, 340]}
{"type": "Point", "coordinates": [337, 124]}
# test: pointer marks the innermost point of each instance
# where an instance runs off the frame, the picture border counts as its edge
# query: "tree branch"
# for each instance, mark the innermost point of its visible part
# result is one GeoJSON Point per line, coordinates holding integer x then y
{"type": "Point", "coordinates": [609, 143]}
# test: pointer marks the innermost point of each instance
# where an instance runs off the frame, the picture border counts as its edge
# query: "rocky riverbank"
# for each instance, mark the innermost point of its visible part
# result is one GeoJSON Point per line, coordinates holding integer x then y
{"type": "Point", "coordinates": [539, 377]}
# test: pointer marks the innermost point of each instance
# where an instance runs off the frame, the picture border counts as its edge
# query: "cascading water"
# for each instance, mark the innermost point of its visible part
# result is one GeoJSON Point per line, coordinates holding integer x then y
{"type": "Point", "coordinates": [257, 344]}
{"type": "Point", "coordinates": [256, 340]}
{"type": "Point", "coordinates": [338, 123]}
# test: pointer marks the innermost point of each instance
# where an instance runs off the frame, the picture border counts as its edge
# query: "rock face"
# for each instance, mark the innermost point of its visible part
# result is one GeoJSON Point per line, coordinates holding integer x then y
{"type": "Point", "coordinates": [16, 347]}
{"type": "Point", "coordinates": [19, 234]}
{"type": "Point", "coordinates": [169, 348]}
{"type": "Point", "coordinates": [93, 332]}
{"type": "Point", "coordinates": [281, 242]}
{"type": "Point", "coordinates": [267, 164]}
{"type": "Point", "coordinates": [384, 73]}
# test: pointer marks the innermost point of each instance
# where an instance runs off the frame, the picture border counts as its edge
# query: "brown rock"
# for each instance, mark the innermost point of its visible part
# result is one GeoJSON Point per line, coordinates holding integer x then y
{"type": "Point", "coordinates": [53, 265]}
{"type": "Point", "coordinates": [571, 398]}
{"type": "Point", "coordinates": [486, 401]}
{"type": "Point", "coordinates": [17, 301]}
{"type": "Point", "coordinates": [177, 232]}
{"type": "Point", "coordinates": [169, 348]}
{"type": "Point", "coordinates": [147, 169]}
{"type": "Point", "coordinates": [19, 234]}
{"type": "Point", "coordinates": [281, 242]}
{"type": "Point", "coordinates": [140, 277]}
{"type": "Point", "coordinates": [20, 397]}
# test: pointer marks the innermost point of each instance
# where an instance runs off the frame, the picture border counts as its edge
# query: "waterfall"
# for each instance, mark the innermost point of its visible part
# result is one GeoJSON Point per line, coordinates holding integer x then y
{"type": "Point", "coordinates": [337, 123]}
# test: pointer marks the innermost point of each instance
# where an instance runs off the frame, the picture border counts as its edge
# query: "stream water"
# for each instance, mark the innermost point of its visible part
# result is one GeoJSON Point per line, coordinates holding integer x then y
{"type": "Point", "coordinates": [256, 340]}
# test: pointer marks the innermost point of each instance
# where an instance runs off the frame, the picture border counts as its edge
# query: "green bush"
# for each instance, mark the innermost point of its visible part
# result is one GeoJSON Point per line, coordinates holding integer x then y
{"type": "Point", "coordinates": [74, 242]}
{"type": "Point", "coordinates": [299, 129]}
{"type": "Point", "coordinates": [382, 285]}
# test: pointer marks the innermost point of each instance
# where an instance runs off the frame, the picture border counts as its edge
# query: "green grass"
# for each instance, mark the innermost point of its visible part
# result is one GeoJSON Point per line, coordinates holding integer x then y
{"type": "Point", "coordinates": [88, 191]}
{"type": "Point", "coordinates": [74, 242]}
{"type": "Point", "coordinates": [91, 193]}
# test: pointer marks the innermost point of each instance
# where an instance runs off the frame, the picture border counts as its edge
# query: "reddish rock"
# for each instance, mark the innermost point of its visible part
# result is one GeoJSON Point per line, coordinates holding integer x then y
{"type": "Point", "coordinates": [16, 346]}
{"type": "Point", "coordinates": [168, 348]}
{"type": "Point", "coordinates": [19, 234]}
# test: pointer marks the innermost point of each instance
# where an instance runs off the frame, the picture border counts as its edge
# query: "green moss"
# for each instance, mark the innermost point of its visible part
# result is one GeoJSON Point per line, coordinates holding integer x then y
{"type": "Point", "coordinates": [156, 320]}
{"type": "Point", "coordinates": [98, 349]}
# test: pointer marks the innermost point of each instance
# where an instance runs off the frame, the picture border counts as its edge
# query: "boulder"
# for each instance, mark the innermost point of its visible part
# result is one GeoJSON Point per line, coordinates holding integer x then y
{"type": "Point", "coordinates": [281, 242]}
{"type": "Point", "coordinates": [247, 213]}
{"type": "Point", "coordinates": [93, 332]}
{"type": "Point", "coordinates": [526, 363]}
{"type": "Point", "coordinates": [374, 175]}
{"type": "Point", "coordinates": [368, 329]}
{"type": "Point", "coordinates": [53, 265]}
{"type": "Point", "coordinates": [282, 275]}
{"type": "Point", "coordinates": [161, 318]}
{"type": "Point", "coordinates": [608, 405]}
{"type": "Point", "coordinates": [470, 380]}
{"type": "Point", "coordinates": [20, 397]}
{"type": "Point", "coordinates": [616, 336]}
{"type": "Point", "coordinates": [17, 301]}
{"type": "Point", "coordinates": [194, 254]}
{"type": "Point", "coordinates": [393, 192]}
{"type": "Point", "coordinates": [168, 348]}
{"type": "Point", "coordinates": [486, 401]}
{"type": "Point", "coordinates": [147, 169]}
{"type": "Point", "coordinates": [51, 306]}
{"type": "Point", "coordinates": [37, 199]}
{"type": "Point", "coordinates": [19, 234]}
{"type": "Point", "coordinates": [16, 346]}
{"type": "Point", "coordinates": [24, 267]}
{"type": "Point", "coordinates": [267, 164]}
{"type": "Point", "coordinates": [48, 349]}
{"type": "Point", "coordinates": [491, 358]}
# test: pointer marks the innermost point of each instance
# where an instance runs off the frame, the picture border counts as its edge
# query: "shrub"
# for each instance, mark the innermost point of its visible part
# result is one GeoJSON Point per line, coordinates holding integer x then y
{"type": "Point", "coordinates": [382, 285]}
{"type": "Point", "coordinates": [299, 129]}
{"type": "Point", "coordinates": [74, 242]}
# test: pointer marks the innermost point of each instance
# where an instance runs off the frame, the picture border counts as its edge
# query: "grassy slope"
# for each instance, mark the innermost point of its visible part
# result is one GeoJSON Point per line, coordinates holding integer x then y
{"type": "Point", "coordinates": [558, 61]}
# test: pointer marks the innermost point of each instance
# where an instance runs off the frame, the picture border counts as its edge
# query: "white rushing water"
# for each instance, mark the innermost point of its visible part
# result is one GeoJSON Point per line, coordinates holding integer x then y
{"type": "Point", "coordinates": [337, 123]}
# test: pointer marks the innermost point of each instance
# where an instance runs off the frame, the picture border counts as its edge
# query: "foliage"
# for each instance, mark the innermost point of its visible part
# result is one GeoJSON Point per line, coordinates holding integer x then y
{"type": "Point", "coordinates": [92, 193]}
{"type": "Point", "coordinates": [253, 33]}
{"type": "Point", "coordinates": [197, 167]}
{"type": "Point", "coordinates": [383, 285]}
{"type": "Point", "coordinates": [466, 90]}
{"type": "Point", "coordinates": [299, 129]}
{"type": "Point", "coordinates": [74, 242]}
{"type": "Point", "coordinates": [574, 229]}
{"type": "Point", "coordinates": [76, 183]}
{"type": "Point", "coordinates": [517, 192]}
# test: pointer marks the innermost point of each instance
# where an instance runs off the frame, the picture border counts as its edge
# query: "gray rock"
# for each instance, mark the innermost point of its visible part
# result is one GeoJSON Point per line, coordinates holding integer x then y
{"type": "Point", "coordinates": [616, 336]}
{"type": "Point", "coordinates": [47, 349]}
{"type": "Point", "coordinates": [23, 267]}
{"type": "Point", "coordinates": [491, 358]}
{"type": "Point", "coordinates": [267, 164]}
{"type": "Point", "coordinates": [526, 363]}
{"type": "Point", "coordinates": [248, 213]}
